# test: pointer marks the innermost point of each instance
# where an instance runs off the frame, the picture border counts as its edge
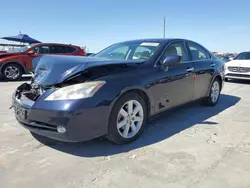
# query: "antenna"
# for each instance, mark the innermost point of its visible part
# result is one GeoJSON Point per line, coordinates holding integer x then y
{"type": "Point", "coordinates": [164, 27]}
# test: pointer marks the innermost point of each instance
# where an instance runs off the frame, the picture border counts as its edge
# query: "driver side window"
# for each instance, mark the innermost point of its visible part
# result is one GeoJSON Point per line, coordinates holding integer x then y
{"type": "Point", "coordinates": [41, 50]}
{"type": "Point", "coordinates": [175, 48]}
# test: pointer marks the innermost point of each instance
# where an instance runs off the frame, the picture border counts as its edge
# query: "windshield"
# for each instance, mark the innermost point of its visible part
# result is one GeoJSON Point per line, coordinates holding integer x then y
{"type": "Point", "coordinates": [130, 51]}
{"type": "Point", "coordinates": [243, 56]}
{"type": "Point", "coordinates": [22, 49]}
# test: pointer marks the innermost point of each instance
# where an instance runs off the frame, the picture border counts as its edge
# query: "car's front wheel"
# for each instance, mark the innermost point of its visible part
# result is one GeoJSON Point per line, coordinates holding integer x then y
{"type": "Point", "coordinates": [127, 118]}
{"type": "Point", "coordinates": [12, 72]}
{"type": "Point", "coordinates": [214, 93]}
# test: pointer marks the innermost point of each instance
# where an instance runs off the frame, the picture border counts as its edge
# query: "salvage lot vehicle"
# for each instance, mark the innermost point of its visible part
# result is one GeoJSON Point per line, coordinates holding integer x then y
{"type": "Point", "coordinates": [115, 92]}
{"type": "Point", "coordinates": [14, 64]}
{"type": "Point", "coordinates": [239, 67]}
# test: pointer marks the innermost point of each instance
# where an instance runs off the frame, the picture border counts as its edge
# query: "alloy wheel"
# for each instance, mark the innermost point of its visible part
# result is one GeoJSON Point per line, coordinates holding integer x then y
{"type": "Point", "coordinates": [11, 72]}
{"type": "Point", "coordinates": [215, 91]}
{"type": "Point", "coordinates": [130, 119]}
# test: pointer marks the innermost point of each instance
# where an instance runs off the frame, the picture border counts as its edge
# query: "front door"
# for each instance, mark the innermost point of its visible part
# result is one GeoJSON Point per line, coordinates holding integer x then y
{"type": "Point", "coordinates": [174, 85]}
{"type": "Point", "coordinates": [38, 51]}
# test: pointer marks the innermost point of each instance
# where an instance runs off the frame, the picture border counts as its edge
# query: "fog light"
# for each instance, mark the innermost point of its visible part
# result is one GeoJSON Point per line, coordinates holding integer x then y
{"type": "Point", "coordinates": [61, 129]}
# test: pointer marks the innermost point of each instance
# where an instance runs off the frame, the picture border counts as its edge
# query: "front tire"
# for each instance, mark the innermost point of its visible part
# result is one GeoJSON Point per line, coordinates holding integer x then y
{"type": "Point", "coordinates": [127, 119]}
{"type": "Point", "coordinates": [214, 93]}
{"type": "Point", "coordinates": [12, 72]}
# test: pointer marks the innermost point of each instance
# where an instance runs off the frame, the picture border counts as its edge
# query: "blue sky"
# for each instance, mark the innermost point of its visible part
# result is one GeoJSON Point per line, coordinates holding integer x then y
{"type": "Point", "coordinates": [219, 25]}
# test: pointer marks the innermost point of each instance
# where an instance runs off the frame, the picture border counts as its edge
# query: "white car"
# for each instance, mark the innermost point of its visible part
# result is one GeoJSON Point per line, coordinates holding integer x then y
{"type": "Point", "coordinates": [239, 67]}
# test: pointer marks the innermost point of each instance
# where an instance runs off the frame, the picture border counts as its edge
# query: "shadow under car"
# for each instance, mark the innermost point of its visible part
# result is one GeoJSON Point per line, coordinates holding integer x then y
{"type": "Point", "coordinates": [164, 126]}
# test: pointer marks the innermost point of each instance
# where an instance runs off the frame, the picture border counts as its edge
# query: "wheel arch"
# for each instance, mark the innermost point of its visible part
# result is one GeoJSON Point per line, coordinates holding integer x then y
{"type": "Point", "coordinates": [14, 62]}
{"type": "Point", "coordinates": [219, 77]}
{"type": "Point", "coordinates": [143, 93]}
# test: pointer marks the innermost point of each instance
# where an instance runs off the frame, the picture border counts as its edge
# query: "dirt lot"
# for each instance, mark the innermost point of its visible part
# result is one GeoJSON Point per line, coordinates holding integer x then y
{"type": "Point", "coordinates": [195, 146]}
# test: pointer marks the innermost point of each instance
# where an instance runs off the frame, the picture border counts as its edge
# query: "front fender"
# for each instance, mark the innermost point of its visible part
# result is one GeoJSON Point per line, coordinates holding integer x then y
{"type": "Point", "coordinates": [136, 89]}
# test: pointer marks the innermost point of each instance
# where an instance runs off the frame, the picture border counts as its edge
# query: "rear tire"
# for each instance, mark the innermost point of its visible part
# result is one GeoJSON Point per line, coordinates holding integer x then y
{"type": "Point", "coordinates": [12, 72]}
{"type": "Point", "coordinates": [214, 93]}
{"type": "Point", "coordinates": [127, 118]}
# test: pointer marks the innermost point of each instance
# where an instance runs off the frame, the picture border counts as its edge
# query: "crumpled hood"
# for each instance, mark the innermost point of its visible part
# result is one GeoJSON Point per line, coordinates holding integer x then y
{"type": "Point", "coordinates": [51, 70]}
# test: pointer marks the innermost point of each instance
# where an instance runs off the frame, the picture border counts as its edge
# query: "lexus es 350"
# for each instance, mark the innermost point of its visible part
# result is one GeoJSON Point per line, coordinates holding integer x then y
{"type": "Point", "coordinates": [115, 92]}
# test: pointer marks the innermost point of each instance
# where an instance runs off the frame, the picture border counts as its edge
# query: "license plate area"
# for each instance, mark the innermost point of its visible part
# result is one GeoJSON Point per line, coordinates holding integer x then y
{"type": "Point", "coordinates": [20, 112]}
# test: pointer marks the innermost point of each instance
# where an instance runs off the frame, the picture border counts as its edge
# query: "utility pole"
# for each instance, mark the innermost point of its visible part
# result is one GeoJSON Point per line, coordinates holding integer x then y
{"type": "Point", "coordinates": [164, 27]}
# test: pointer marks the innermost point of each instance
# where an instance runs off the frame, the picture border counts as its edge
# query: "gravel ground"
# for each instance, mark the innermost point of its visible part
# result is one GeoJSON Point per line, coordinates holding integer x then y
{"type": "Point", "coordinates": [193, 146]}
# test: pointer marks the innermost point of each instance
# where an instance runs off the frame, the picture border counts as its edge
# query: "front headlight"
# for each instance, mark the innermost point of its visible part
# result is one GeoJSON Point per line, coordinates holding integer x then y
{"type": "Point", "coordinates": [77, 91]}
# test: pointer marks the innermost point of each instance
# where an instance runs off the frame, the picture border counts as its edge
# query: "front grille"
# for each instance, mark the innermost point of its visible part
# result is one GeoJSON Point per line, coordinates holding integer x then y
{"type": "Point", "coordinates": [239, 75]}
{"type": "Point", "coordinates": [239, 69]}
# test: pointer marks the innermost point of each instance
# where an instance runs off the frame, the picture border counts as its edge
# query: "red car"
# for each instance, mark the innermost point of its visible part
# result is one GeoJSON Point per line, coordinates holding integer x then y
{"type": "Point", "coordinates": [13, 65]}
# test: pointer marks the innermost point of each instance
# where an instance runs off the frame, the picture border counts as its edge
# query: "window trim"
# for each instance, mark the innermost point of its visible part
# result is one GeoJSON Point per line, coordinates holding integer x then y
{"type": "Point", "coordinates": [157, 63]}
{"type": "Point", "coordinates": [190, 55]}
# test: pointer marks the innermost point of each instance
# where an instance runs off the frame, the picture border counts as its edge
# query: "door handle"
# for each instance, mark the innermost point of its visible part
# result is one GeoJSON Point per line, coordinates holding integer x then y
{"type": "Point", "coordinates": [191, 69]}
{"type": "Point", "coordinates": [212, 64]}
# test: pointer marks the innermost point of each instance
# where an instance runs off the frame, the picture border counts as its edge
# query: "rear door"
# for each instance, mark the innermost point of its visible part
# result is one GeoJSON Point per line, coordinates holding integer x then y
{"type": "Point", "coordinates": [204, 69]}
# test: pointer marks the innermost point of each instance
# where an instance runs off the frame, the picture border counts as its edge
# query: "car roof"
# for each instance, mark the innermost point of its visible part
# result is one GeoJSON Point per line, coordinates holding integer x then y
{"type": "Point", "coordinates": [55, 44]}
{"type": "Point", "coordinates": [160, 40]}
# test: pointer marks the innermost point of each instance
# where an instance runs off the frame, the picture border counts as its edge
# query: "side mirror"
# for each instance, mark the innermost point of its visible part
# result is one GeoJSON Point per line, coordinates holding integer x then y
{"type": "Point", "coordinates": [31, 52]}
{"type": "Point", "coordinates": [172, 60]}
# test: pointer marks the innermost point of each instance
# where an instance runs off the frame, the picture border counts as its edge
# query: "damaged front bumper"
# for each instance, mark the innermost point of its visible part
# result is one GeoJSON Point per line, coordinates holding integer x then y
{"type": "Point", "coordinates": [65, 120]}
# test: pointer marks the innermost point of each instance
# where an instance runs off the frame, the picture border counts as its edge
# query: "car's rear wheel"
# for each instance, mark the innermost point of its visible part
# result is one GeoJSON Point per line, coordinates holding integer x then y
{"type": "Point", "coordinates": [12, 72]}
{"type": "Point", "coordinates": [127, 118]}
{"type": "Point", "coordinates": [214, 93]}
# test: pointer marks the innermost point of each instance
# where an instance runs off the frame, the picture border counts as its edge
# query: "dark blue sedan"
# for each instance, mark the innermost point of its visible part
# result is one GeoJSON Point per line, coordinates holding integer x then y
{"type": "Point", "coordinates": [115, 92]}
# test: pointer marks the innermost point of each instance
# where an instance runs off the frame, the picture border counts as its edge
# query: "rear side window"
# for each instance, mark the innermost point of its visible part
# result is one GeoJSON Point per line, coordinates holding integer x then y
{"type": "Point", "coordinates": [59, 49]}
{"type": "Point", "coordinates": [198, 53]}
{"type": "Point", "coordinates": [71, 49]}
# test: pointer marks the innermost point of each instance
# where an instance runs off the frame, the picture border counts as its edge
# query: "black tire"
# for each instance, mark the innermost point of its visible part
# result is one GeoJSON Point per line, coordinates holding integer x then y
{"type": "Point", "coordinates": [44, 140]}
{"type": "Point", "coordinates": [113, 133]}
{"type": "Point", "coordinates": [208, 100]}
{"type": "Point", "coordinates": [226, 79]}
{"type": "Point", "coordinates": [18, 69]}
